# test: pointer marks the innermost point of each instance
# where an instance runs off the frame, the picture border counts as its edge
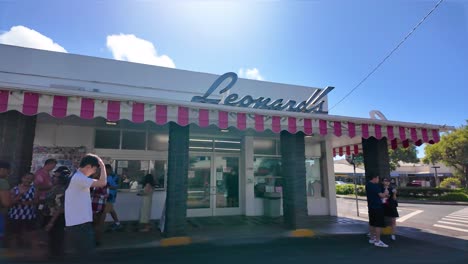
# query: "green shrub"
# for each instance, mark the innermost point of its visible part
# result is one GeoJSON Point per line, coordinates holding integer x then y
{"type": "Point", "coordinates": [361, 190]}
{"type": "Point", "coordinates": [448, 182]}
{"type": "Point", "coordinates": [455, 196]}
{"type": "Point", "coordinates": [422, 192]}
{"type": "Point", "coordinates": [345, 189]}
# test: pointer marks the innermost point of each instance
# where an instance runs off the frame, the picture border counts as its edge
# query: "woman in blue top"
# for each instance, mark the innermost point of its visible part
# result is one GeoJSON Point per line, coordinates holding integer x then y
{"type": "Point", "coordinates": [22, 213]}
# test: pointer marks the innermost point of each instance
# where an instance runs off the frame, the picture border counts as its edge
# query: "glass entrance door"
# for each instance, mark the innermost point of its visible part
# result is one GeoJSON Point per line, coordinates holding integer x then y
{"type": "Point", "coordinates": [213, 185]}
{"type": "Point", "coordinates": [227, 185]}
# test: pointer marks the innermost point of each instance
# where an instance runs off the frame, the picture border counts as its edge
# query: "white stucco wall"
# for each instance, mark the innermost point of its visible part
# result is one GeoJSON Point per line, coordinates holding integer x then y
{"type": "Point", "coordinates": [63, 73]}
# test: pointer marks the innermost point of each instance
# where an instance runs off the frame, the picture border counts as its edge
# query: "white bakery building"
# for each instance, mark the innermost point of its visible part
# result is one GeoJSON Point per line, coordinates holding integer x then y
{"type": "Point", "coordinates": [216, 145]}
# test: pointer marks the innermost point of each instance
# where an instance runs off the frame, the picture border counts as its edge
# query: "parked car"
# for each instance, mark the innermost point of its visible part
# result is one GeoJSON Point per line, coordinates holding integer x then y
{"type": "Point", "coordinates": [415, 183]}
{"type": "Point", "coordinates": [339, 182]}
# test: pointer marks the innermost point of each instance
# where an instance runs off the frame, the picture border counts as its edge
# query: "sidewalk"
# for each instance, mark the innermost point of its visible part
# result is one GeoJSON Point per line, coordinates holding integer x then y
{"type": "Point", "coordinates": [234, 230]}
{"type": "Point", "coordinates": [224, 232]}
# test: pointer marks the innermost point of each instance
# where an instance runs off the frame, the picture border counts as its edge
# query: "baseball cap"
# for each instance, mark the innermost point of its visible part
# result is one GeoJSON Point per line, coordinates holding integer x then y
{"type": "Point", "coordinates": [63, 170]}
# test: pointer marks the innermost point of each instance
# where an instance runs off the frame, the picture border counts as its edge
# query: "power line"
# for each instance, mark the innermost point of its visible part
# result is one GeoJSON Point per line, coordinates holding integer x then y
{"type": "Point", "coordinates": [388, 56]}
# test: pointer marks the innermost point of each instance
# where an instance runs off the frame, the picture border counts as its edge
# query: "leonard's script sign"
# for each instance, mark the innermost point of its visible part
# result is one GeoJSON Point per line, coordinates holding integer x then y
{"type": "Point", "coordinates": [312, 105]}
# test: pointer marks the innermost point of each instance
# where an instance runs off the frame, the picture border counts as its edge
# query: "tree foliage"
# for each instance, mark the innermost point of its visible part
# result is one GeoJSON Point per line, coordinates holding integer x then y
{"type": "Point", "coordinates": [452, 150]}
{"type": "Point", "coordinates": [408, 155]}
{"type": "Point", "coordinates": [358, 159]}
{"type": "Point", "coordinates": [448, 182]}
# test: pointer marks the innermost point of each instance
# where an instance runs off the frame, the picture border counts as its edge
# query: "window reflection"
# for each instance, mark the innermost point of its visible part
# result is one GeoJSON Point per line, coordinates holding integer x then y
{"type": "Point", "coordinates": [267, 175]}
{"type": "Point", "coordinates": [131, 172]}
{"type": "Point", "coordinates": [313, 178]}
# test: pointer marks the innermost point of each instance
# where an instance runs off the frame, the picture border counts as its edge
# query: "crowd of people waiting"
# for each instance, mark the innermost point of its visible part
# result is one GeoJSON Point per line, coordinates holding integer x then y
{"type": "Point", "coordinates": [65, 205]}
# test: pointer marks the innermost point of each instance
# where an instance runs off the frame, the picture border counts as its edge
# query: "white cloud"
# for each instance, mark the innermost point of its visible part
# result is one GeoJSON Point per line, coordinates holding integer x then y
{"type": "Point", "coordinates": [253, 73]}
{"type": "Point", "coordinates": [133, 49]}
{"type": "Point", "coordinates": [29, 38]}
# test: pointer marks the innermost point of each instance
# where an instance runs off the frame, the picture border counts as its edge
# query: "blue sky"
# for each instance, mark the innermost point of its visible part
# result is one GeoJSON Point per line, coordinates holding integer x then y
{"type": "Point", "coordinates": [309, 43]}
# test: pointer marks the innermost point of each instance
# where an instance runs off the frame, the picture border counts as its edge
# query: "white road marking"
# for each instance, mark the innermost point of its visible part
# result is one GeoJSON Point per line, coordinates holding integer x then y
{"type": "Point", "coordinates": [454, 220]}
{"type": "Point", "coordinates": [450, 223]}
{"type": "Point", "coordinates": [408, 216]}
{"type": "Point", "coordinates": [451, 228]}
{"type": "Point", "coordinates": [456, 217]}
{"type": "Point", "coordinates": [459, 215]}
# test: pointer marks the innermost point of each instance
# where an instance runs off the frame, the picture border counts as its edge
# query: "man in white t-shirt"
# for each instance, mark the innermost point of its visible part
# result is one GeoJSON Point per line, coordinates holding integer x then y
{"type": "Point", "coordinates": [78, 211]}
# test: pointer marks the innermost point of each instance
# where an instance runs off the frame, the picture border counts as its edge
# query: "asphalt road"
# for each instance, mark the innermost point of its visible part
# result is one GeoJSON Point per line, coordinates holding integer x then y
{"type": "Point", "coordinates": [444, 220]}
{"type": "Point", "coordinates": [331, 249]}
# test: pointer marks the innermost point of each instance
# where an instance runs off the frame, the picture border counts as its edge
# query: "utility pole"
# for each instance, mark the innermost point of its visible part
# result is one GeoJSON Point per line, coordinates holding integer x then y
{"type": "Point", "coordinates": [351, 160]}
{"type": "Point", "coordinates": [435, 175]}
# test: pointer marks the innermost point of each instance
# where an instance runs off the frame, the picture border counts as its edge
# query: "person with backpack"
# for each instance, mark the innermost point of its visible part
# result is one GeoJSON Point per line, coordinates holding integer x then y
{"type": "Point", "coordinates": [55, 222]}
{"type": "Point", "coordinates": [112, 185]}
{"type": "Point", "coordinates": [43, 184]}
{"type": "Point", "coordinates": [78, 210]}
{"type": "Point", "coordinates": [390, 207]}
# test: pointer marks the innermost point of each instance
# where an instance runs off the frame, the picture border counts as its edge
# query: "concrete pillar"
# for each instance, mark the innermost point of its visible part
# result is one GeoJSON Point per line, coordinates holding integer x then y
{"type": "Point", "coordinates": [176, 197]}
{"type": "Point", "coordinates": [16, 142]}
{"type": "Point", "coordinates": [294, 175]}
{"type": "Point", "coordinates": [329, 180]}
{"type": "Point", "coordinates": [376, 159]}
{"type": "Point", "coordinates": [247, 177]}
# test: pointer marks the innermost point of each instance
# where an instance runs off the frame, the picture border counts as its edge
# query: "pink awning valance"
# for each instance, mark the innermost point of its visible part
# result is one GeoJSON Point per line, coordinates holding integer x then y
{"type": "Point", "coordinates": [59, 106]}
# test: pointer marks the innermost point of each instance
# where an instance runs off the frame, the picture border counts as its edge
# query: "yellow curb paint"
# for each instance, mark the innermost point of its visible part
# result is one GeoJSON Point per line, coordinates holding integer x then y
{"type": "Point", "coordinates": [302, 233]}
{"type": "Point", "coordinates": [175, 241]}
{"type": "Point", "coordinates": [387, 230]}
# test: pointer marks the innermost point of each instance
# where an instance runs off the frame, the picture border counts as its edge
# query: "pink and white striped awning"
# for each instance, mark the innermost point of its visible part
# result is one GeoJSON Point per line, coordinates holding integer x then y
{"type": "Point", "coordinates": [60, 106]}
{"type": "Point", "coordinates": [393, 144]}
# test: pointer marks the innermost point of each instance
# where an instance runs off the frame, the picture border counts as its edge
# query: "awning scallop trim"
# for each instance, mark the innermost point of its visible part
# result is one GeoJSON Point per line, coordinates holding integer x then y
{"type": "Point", "coordinates": [60, 106]}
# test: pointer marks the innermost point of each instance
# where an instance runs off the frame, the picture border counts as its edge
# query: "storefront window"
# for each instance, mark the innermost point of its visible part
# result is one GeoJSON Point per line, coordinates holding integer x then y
{"type": "Point", "coordinates": [201, 144]}
{"type": "Point", "coordinates": [267, 175]}
{"type": "Point", "coordinates": [107, 139]}
{"type": "Point", "coordinates": [266, 146]}
{"type": "Point", "coordinates": [133, 140]}
{"type": "Point", "coordinates": [226, 145]}
{"type": "Point", "coordinates": [199, 180]}
{"type": "Point", "coordinates": [159, 171]}
{"type": "Point", "coordinates": [313, 178]}
{"type": "Point", "coordinates": [158, 141]}
{"type": "Point", "coordinates": [132, 172]}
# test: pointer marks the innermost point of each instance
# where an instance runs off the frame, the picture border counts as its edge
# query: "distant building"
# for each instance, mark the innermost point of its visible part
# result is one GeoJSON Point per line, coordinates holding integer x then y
{"type": "Point", "coordinates": [408, 172]}
{"type": "Point", "coordinates": [345, 172]}
{"type": "Point", "coordinates": [403, 175]}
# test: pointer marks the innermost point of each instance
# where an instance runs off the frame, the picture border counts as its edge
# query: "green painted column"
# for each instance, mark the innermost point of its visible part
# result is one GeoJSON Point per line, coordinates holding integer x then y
{"type": "Point", "coordinates": [16, 142]}
{"type": "Point", "coordinates": [376, 159]}
{"type": "Point", "coordinates": [176, 197]}
{"type": "Point", "coordinates": [294, 175]}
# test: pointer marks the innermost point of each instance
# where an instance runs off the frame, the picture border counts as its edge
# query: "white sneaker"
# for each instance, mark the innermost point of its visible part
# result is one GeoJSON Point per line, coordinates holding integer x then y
{"type": "Point", "coordinates": [380, 244]}
{"type": "Point", "coordinates": [372, 241]}
{"type": "Point", "coordinates": [393, 237]}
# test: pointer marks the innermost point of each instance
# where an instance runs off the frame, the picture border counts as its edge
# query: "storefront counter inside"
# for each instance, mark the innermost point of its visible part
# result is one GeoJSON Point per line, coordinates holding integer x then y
{"type": "Point", "coordinates": [128, 204]}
